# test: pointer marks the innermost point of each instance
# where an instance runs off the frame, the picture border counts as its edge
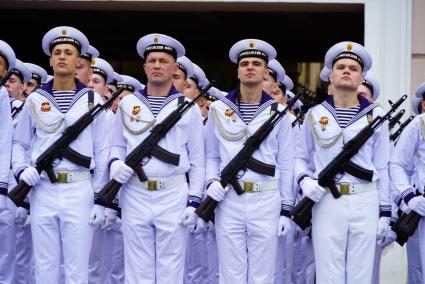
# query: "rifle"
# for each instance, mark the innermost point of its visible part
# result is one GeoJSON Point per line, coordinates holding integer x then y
{"type": "Point", "coordinates": [60, 149]}
{"type": "Point", "coordinates": [300, 117]}
{"type": "Point", "coordinates": [244, 160]}
{"type": "Point", "coordinates": [396, 119]}
{"type": "Point", "coordinates": [301, 214]}
{"type": "Point", "coordinates": [148, 147]}
{"type": "Point", "coordinates": [395, 135]}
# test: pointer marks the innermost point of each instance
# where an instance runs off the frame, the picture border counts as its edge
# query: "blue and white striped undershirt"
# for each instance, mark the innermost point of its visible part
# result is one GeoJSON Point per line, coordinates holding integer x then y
{"type": "Point", "coordinates": [247, 111]}
{"type": "Point", "coordinates": [344, 115]}
{"type": "Point", "coordinates": [64, 99]}
{"type": "Point", "coordinates": [156, 103]}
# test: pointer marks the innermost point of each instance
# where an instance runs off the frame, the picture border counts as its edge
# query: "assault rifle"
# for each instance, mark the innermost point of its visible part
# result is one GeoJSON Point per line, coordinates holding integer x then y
{"type": "Point", "coordinates": [396, 119]}
{"type": "Point", "coordinates": [301, 214]}
{"type": "Point", "coordinates": [244, 160]}
{"type": "Point", "coordinates": [60, 149]}
{"type": "Point", "coordinates": [395, 135]}
{"type": "Point", "coordinates": [149, 147]}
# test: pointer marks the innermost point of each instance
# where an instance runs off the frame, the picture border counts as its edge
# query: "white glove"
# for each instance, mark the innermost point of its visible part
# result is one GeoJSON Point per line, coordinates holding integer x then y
{"type": "Point", "coordinates": [117, 225]}
{"type": "Point", "coordinates": [199, 228]}
{"type": "Point", "coordinates": [110, 218]}
{"type": "Point", "coordinates": [3, 202]}
{"type": "Point", "coordinates": [97, 215]}
{"type": "Point", "coordinates": [383, 227]}
{"type": "Point", "coordinates": [216, 191]}
{"type": "Point", "coordinates": [389, 237]}
{"type": "Point", "coordinates": [312, 189]}
{"type": "Point", "coordinates": [30, 176]}
{"type": "Point", "coordinates": [21, 216]}
{"type": "Point", "coordinates": [417, 204]}
{"type": "Point", "coordinates": [189, 217]}
{"type": "Point", "coordinates": [120, 171]}
{"type": "Point", "coordinates": [284, 226]}
{"type": "Point", "coordinates": [403, 207]}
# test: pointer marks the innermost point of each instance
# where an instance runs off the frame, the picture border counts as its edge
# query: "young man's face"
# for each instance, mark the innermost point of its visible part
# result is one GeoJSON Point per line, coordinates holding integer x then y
{"type": "Point", "coordinates": [191, 90]}
{"type": "Point", "coordinates": [179, 80]}
{"type": "Point", "coordinates": [252, 71]}
{"type": "Point", "coordinates": [159, 68]}
{"type": "Point", "coordinates": [30, 86]}
{"type": "Point", "coordinates": [346, 74]}
{"type": "Point", "coordinates": [268, 84]}
{"type": "Point", "coordinates": [365, 92]}
{"type": "Point", "coordinates": [83, 71]}
{"type": "Point", "coordinates": [3, 67]}
{"type": "Point", "coordinates": [98, 84]}
{"type": "Point", "coordinates": [64, 59]}
{"type": "Point", "coordinates": [14, 86]}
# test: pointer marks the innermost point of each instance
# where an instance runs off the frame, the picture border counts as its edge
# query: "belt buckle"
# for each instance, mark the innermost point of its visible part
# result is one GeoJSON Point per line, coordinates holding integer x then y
{"type": "Point", "coordinates": [152, 184]}
{"type": "Point", "coordinates": [344, 188]}
{"type": "Point", "coordinates": [62, 177]}
{"type": "Point", "coordinates": [248, 186]}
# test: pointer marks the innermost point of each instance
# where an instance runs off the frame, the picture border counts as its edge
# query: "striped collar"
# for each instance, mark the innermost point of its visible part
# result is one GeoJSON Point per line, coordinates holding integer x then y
{"type": "Point", "coordinates": [47, 91]}
{"type": "Point", "coordinates": [365, 107]}
{"type": "Point", "coordinates": [231, 101]}
{"type": "Point", "coordinates": [142, 95]}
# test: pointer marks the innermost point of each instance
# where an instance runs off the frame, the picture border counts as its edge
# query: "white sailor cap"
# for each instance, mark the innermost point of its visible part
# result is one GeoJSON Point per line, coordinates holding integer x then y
{"type": "Point", "coordinates": [420, 91]}
{"type": "Point", "coordinates": [415, 104]}
{"type": "Point", "coordinates": [289, 85]}
{"type": "Point", "coordinates": [8, 54]}
{"type": "Point", "coordinates": [185, 65]}
{"type": "Point", "coordinates": [130, 84]}
{"type": "Point", "coordinates": [251, 48]}
{"type": "Point", "coordinates": [372, 83]}
{"type": "Point", "coordinates": [215, 94]}
{"type": "Point", "coordinates": [351, 50]}
{"type": "Point", "coordinates": [199, 76]}
{"type": "Point", "coordinates": [324, 74]}
{"type": "Point", "coordinates": [276, 70]}
{"type": "Point", "coordinates": [116, 79]}
{"type": "Point", "coordinates": [21, 71]}
{"type": "Point", "coordinates": [103, 68]}
{"type": "Point", "coordinates": [159, 43]}
{"type": "Point", "coordinates": [297, 104]}
{"type": "Point", "coordinates": [37, 73]}
{"type": "Point", "coordinates": [64, 34]}
{"type": "Point", "coordinates": [91, 53]}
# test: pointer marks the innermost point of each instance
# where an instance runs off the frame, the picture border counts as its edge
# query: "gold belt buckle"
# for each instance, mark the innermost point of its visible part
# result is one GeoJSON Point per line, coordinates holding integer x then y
{"type": "Point", "coordinates": [62, 177]}
{"type": "Point", "coordinates": [152, 185]}
{"type": "Point", "coordinates": [344, 188]}
{"type": "Point", "coordinates": [248, 186]}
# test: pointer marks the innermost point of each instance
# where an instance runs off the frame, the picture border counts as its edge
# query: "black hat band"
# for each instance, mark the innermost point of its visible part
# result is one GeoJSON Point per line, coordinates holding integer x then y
{"type": "Point", "coordinates": [36, 77]}
{"type": "Point", "coordinates": [126, 87]}
{"type": "Point", "coordinates": [160, 48]}
{"type": "Point", "coordinates": [349, 55]}
{"type": "Point", "coordinates": [368, 85]}
{"type": "Point", "coordinates": [69, 40]}
{"type": "Point", "coordinates": [195, 79]}
{"type": "Point", "coordinates": [253, 53]}
{"type": "Point", "coordinates": [17, 73]}
{"type": "Point", "coordinates": [181, 67]}
{"type": "Point", "coordinates": [273, 74]}
{"type": "Point", "coordinates": [87, 56]}
{"type": "Point", "coordinates": [99, 71]}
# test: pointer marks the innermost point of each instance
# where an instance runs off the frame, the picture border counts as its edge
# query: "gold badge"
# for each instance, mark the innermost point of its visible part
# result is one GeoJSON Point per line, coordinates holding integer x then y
{"type": "Point", "coordinates": [369, 118]}
{"type": "Point", "coordinates": [64, 32]}
{"type": "Point", "coordinates": [251, 44]}
{"type": "Point", "coordinates": [155, 40]}
{"type": "Point", "coordinates": [230, 114]}
{"type": "Point", "coordinates": [349, 46]}
{"type": "Point", "coordinates": [323, 122]}
{"type": "Point", "coordinates": [136, 110]}
{"type": "Point", "coordinates": [45, 107]}
{"type": "Point", "coordinates": [93, 61]}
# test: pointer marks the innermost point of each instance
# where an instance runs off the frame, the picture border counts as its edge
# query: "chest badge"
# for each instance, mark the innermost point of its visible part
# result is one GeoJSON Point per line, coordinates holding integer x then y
{"type": "Point", "coordinates": [136, 110]}
{"type": "Point", "coordinates": [230, 114]}
{"type": "Point", "coordinates": [45, 107]}
{"type": "Point", "coordinates": [323, 122]}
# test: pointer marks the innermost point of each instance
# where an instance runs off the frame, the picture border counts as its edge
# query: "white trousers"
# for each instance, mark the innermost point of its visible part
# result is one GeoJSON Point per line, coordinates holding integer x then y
{"type": "Point", "coordinates": [97, 259]}
{"type": "Point", "coordinates": [246, 231]}
{"type": "Point", "coordinates": [212, 271]}
{"type": "Point", "coordinates": [114, 241]}
{"type": "Point", "coordinates": [24, 257]}
{"type": "Point", "coordinates": [7, 243]}
{"type": "Point", "coordinates": [154, 242]}
{"type": "Point", "coordinates": [59, 222]}
{"type": "Point", "coordinates": [414, 267]}
{"type": "Point", "coordinates": [344, 237]}
{"type": "Point", "coordinates": [196, 265]}
{"type": "Point", "coordinates": [303, 268]}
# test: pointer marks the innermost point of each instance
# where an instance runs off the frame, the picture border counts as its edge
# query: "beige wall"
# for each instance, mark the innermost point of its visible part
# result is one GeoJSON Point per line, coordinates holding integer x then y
{"type": "Point", "coordinates": [418, 45]}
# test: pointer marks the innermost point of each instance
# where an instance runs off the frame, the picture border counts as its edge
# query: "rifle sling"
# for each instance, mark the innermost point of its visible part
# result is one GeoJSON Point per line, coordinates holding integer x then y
{"type": "Point", "coordinates": [76, 158]}
{"type": "Point", "coordinates": [358, 172]}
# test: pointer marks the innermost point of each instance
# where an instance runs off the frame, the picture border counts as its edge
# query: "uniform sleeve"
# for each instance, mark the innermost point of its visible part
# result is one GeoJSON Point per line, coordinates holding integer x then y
{"type": "Point", "coordinates": [196, 155]}
{"type": "Point", "coordinates": [401, 164]}
{"type": "Point", "coordinates": [212, 151]}
{"type": "Point", "coordinates": [304, 152]}
{"type": "Point", "coordinates": [5, 141]}
{"type": "Point", "coordinates": [285, 163]}
{"type": "Point", "coordinates": [118, 147]}
{"type": "Point", "coordinates": [101, 151]}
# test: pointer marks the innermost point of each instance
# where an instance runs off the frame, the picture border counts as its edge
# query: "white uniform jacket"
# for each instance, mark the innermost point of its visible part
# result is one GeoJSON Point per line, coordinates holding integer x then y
{"type": "Point", "coordinates": [134, 120]}
{"type": "Point", "coordinates": [407, 164]}
{"type": "Point", "coordinates": [42, 120]}
{"type": "Point", "coordinates": [5, 139]}
{"type": "Point", "coordinates": [226, 133]}
{"type": "Point", "coordinates": [321, 139]}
